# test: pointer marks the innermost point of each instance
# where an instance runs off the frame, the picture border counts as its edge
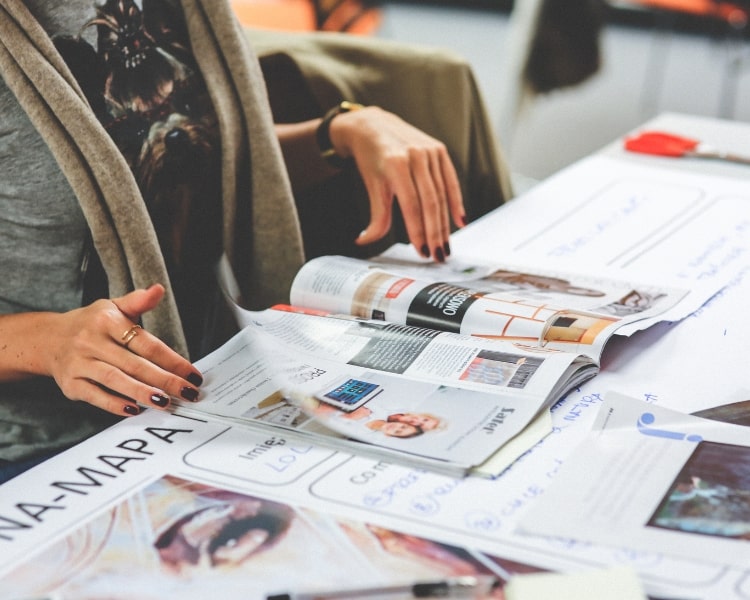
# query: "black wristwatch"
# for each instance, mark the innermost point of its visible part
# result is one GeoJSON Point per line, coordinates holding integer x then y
{"type": "Point", "coordinates": [323, 134]}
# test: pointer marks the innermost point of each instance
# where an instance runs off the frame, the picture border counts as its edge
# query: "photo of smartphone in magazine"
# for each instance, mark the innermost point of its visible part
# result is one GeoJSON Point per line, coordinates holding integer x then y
{"type": "Point", "coordinates": [349, 394]}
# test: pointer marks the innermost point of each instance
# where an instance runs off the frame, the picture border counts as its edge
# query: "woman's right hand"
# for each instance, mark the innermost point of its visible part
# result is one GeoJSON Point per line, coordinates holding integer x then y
{"type": "Point", "coordinates": [98, 354]}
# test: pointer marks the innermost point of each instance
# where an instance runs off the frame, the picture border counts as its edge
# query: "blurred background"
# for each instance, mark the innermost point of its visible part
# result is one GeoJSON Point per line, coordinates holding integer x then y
{"type": "Point", "coordinates": [561, 78]}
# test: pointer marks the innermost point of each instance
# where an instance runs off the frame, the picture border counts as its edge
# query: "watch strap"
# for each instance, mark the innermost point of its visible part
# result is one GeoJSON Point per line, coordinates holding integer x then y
{"type": "Point", "coordinates": [323, 134]}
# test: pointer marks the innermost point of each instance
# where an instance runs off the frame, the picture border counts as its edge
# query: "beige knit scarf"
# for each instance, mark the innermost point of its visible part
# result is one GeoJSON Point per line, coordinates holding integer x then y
{"type": "Point", "coordinates": [261, 230]}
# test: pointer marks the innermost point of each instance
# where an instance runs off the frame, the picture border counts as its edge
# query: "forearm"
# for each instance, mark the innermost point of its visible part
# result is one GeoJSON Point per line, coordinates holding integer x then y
{"type": "Point", "coordinates": [302, 155]}
{"type": "Point", "coordinates": [397, 162]}
{"type": "Point", "coordinates": [24, 342]}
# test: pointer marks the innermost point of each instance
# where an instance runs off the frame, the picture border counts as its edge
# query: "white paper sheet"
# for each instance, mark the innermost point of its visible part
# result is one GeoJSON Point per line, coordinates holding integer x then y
{"type": "Point", "coordinates": [694, 364]}
{"type": "Point", "coordinates": [654, 480]}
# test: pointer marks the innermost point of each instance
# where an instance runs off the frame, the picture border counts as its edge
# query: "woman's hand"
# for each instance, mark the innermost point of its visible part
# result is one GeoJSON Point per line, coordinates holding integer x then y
{"type": "Point", "coordinates": [398, 161]}
{"type": "Point", "coordinates": [99, 355]}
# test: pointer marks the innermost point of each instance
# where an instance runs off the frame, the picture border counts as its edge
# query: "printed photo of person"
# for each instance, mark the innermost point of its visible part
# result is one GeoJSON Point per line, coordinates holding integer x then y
{"type": "Point", "coordinates": [226, 533]}
{"type": "Point", "coordinates": [425, 421]}
{"type": "Point", "coordinates": [395, 428]}
{"type": "Point", "coordinates": [177, 538]}
{"type": "Point", "coordinates": [407, 424]}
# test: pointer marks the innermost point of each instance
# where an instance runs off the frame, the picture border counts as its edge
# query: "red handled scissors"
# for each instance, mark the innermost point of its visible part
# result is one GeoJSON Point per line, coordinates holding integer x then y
{"type": "Point", "coordinates": [669, 144]}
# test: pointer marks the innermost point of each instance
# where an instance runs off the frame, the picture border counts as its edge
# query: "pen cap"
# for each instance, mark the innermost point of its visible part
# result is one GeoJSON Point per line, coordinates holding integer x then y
{"type": "Point", "coordinates": [459, 587]}
{"type": "Point", "coordinates": [439, 589]}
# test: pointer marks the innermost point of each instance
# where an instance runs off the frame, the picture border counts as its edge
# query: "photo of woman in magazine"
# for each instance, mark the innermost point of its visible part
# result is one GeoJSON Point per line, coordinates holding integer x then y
{"type": "Point", "coordinates": [179, 538]}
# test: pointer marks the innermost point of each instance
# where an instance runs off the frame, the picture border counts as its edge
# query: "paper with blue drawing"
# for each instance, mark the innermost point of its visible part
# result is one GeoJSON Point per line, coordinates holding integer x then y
{"type": "Point", "coordinates": [654, 480]}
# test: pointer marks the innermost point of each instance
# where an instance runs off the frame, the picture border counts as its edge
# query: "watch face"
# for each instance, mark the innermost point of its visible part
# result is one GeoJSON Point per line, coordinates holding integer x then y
{"type": "Point", "coordinates": [349, 394]}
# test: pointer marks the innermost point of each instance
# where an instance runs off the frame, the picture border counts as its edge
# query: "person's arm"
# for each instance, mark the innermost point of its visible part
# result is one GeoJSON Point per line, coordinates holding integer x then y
{"type": "Point", "coordinates": [396, 161]}
{"type": "Point", "coordinates": [303, 161]}
{"type": "Point", "coordinates": [98, 355]}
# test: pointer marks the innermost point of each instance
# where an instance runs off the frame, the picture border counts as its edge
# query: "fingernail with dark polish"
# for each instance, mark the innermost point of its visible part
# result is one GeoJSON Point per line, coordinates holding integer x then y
{"type": "Point", "coordinates": [425, 251]}
{"type": "Point", "coordinates": [439, 256]}
{"type": "Point", "coordinates": [131, 409]}
{"type": "Point", "coordinates": [195, 378]}
{"type": "Point", "coordinates": [189, 394]}
{"type": "Point", "coordinates": [159, 400]}
{"type": "Point", "coordinates": [464, 222]}
{"type": "Point", "coordinates": [447, 248]}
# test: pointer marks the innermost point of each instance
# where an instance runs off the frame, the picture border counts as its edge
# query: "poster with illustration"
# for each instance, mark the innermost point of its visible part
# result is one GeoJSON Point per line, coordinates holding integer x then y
{"type": "Point", "coordinates": [180, 538]}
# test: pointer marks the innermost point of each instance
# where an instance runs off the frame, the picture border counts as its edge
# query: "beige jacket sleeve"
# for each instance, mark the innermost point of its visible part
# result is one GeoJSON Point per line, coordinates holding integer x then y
{"type": "Point", "coordinates": [432, 89]}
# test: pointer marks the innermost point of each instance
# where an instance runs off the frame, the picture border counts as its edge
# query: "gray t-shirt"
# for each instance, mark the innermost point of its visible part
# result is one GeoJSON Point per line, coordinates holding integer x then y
{"type": "Point", "coordinates": [42, 229]}
{"type": "Point", "coordinates": [136, 68]}
{"type": "Point", "coordinates": [42, 247]}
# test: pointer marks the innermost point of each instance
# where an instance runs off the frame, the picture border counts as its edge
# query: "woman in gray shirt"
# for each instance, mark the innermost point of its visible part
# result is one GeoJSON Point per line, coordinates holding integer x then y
{"type": "Point", "coordinates": [134, 151]}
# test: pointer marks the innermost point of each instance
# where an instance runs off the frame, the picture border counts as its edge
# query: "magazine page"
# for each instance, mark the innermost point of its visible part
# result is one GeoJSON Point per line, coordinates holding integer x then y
{"type": "Point", "coordinates": [258, 379]}
{"type": "Point", "coordinates": [491, 365]}
{"type": "Point", "coordinates": [596, 289]}
{"type": "Point", "coordinates": [127, 515]}
{"type": "Point", "coordinates": [655, 480]}
{"type": "Point", "coordinates": [496, 303]}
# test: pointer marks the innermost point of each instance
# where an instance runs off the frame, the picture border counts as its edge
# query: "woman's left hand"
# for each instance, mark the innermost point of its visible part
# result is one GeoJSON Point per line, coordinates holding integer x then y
{"type": "Point", "coordinates": [400, 162]}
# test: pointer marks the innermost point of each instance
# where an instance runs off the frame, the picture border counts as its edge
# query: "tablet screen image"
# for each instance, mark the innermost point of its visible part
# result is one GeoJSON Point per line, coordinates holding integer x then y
{"type": "Point", "coordinates": [350, 393]}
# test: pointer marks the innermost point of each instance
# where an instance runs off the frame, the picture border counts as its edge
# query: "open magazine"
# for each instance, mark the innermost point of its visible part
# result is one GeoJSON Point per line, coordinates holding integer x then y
{"type": "Point", "coordinates": [525, 306]}
{"type": "Point", "coordinates": [440, 374]}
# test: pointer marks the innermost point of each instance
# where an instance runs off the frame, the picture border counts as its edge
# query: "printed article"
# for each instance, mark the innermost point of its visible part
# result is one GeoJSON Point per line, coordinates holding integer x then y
{"type": "Point", "coordinates": [568, 313]}
{"type": "Point", "coordinates": [180, 538]}
{"type": "Point", "coordinates": [391, 336]}
{"type": "Point", "coordinates": [655, 480]}
{"type": "Point", "coordinates": [438, 399]}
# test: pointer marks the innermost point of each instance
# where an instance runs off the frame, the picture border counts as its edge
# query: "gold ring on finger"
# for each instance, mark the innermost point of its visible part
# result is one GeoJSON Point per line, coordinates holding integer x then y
{"type": "Point", "coordinates": [128, 336]}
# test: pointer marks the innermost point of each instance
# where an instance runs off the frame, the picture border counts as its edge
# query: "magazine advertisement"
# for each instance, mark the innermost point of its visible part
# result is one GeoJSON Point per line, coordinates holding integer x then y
{"type": "Point", "coordinates": [166, 505]}
{"type": "Point", "coordinates": [488, 365]}
{"type": "Point", "coordinates": [131, 517]}
{"type": "Point", "coordinates": [528, 308]}
{"type": "Point", "coordinates": [438, 399]}
{"type": "Point", "coordinates": [655, 480]}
